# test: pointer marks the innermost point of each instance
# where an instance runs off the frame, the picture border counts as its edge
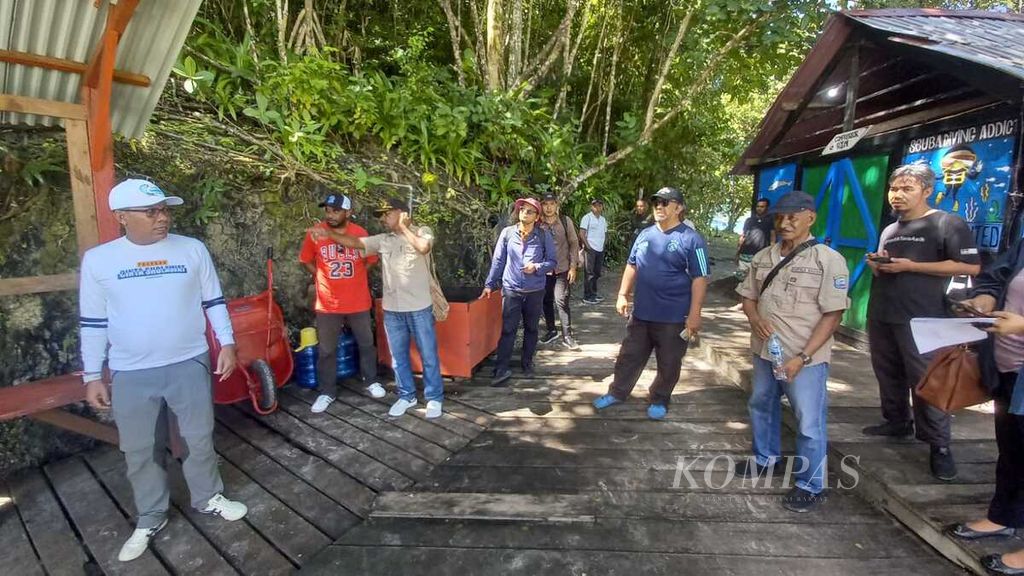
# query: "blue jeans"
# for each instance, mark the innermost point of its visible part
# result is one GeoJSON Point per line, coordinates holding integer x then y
{"type": "Point", "coordinates": [401, 328]}
{"type": "Point", "coordinates": [809, 399]}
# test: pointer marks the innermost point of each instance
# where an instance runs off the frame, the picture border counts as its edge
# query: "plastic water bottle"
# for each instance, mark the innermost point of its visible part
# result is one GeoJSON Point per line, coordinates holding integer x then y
{"type": "Point", "coordinates": [778, 359]}
{"type": "Point", "coordinates": [348, 355]}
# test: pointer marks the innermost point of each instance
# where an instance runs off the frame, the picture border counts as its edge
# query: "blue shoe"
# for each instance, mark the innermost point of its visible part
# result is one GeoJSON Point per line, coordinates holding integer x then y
{"type": "Point", "coordinates": [656, 411]}
{"type": "Point", "coordinates": [606, 401]}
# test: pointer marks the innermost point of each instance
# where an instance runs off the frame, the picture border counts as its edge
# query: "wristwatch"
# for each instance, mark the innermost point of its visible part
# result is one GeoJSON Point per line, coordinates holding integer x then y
{"type": "Point", "coordinates": [805, 358]}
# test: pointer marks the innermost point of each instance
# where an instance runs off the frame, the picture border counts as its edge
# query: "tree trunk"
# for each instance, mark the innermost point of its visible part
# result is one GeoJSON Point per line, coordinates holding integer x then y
{"type": "Point", "coordinates": [652, 105]}
{"type": "Point", "coordinates": [495, 45]}
{"type": "Point", "coordinates": [611, 81]}
{"type": "Point", "coordinates": [570, 59]}
{"type": "Point", "coordinates": [281, 14]}
{"type": "Point", "coordinates": [593, 74]}
{"type": "Point", "coordinates": [481, 40]}
{"type": "Point", "coordinates": [515, 42]}
{"type": "Point", "coordinates": [454, 33]}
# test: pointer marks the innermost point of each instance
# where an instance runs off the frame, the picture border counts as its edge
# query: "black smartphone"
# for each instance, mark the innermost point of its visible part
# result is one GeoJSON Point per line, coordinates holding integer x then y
{"type": "Point", "coordinates": [880, 259]}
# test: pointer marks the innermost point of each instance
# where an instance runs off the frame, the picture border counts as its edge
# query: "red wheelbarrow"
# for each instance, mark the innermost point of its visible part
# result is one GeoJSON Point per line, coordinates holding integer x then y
{"type": "Point", "coordinates": [264, 352]}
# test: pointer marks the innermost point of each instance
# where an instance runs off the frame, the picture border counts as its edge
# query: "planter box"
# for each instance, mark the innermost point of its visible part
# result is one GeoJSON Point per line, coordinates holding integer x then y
{"type": "Point", "coordinates": [469, 335]}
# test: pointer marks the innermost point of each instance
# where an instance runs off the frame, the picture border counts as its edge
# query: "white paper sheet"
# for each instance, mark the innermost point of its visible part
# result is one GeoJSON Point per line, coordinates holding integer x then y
{"type": "Point", "coordinates": [934, 333]}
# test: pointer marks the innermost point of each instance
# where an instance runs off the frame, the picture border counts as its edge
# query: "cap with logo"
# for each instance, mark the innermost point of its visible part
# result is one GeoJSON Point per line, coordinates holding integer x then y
{"type": "Point", "coordinates": [388, 204]}
{"type": "Point", "coordinates": [337, 201]}
{"type": "Point", "coordinates": [793, 202]}
{"type": "Point", "coordinates": [594, 201]}
{"type": "Point", "coordinates": [668, 193]}
{"type": "Point", "coordinates": [549, 197]}
{"type": "Point", "coordinates": [138, 193]}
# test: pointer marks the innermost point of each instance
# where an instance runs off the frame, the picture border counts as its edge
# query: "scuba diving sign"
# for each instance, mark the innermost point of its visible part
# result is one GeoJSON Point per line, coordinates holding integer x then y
{"type": "Point", "coordinates": [973, 174]}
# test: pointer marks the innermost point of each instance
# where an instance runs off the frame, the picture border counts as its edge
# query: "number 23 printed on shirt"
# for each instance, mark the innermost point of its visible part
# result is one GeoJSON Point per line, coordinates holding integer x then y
{"type": "Point", "coordinates": [341, 269]}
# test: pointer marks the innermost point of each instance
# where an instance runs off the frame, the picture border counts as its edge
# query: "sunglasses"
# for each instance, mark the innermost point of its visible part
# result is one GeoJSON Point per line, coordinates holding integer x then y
{"type": "Point", "coordinates": [660, 202]}
{"type": "Point", "coordinates": [151, 212]}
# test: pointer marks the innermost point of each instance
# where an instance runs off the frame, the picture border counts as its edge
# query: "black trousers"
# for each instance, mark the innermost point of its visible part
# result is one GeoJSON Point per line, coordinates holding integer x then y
{"type": "Point", "coordinates": [1007, 506]}
{"type": "Point", "coordinates": [328, 330]}
{"type": "Point", "coordinates": [556, 295]}
{"type": "Point", "coordinates": [516, 306]}
{"type": "Point", "coordinates": [641, 338]}
{"type": "Point", "coordinates": [593, 262]}
{"type": "Point", "coordinates": [898, 368]}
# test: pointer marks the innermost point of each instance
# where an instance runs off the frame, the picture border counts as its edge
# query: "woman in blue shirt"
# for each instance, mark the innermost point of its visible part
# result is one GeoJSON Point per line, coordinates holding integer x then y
{"type": "Point", "coordinates": [523, 256]}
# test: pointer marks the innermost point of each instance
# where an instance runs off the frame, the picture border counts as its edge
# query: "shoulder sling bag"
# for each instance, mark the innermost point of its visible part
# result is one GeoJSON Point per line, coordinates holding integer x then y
{"type": "Point", "coordinates": [785, 262]}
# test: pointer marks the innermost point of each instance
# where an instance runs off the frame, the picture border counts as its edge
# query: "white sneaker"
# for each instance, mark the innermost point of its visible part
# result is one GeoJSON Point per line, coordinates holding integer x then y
{"type": "Point", "coordinates": [137, 543]}
{"type": "Point", "coordinates": [226, 509]}
{"type": "Point", "coordinates": [434, 409]}
{"type": "Point", "coordinates": [321, 404]}
{"type": "Point", "coordinates": [399, 408]}
{"type": "Point", "coordinates": [376, 390]}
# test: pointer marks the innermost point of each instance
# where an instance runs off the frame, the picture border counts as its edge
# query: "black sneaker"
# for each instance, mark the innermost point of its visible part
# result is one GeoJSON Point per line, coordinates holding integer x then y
{"type": "Point", "coordinates": [896, 430]}
{"type": "Point", "coordinates": [599, 298]}
{"type": "Point", "coordinates": [590, 301]}
{"type": "Point", "coordinates": [549, 337]}
{"type": "Point", "coordinates": [528, 372]}
{"type": "Point", "coordinates": [570, 343]}
{"type": "Point", "coordinates": [501, 378]}
{"type": "Point", "coordinates": [800, 500]}
{"type": "Point", "coordinates": [942, 463]}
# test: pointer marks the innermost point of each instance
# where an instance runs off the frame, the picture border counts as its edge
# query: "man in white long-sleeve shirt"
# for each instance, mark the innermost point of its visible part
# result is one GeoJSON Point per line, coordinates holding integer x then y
{"type": "Point", "coordinates": [145, 295]}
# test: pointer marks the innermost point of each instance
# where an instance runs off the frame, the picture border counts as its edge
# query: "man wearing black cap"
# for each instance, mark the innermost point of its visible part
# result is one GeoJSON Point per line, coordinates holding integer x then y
{"type": "Point", "coordinates": [342, 297]}
{"type": "Point", "coordinates": [593, 229]}
{"type": "Point", "coordinates": [795, 295]}
{"type": "Point", "coordinates": [668, 268]}
{"type": "Point", "coordinates": [556, 293]}
{"type": "Point", "coordinates": [408, 307]}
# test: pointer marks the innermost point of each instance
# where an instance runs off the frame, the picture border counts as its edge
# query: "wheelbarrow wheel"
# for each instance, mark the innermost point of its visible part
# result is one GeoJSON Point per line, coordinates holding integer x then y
{"type": "Point", "coordinates": [267, 400]}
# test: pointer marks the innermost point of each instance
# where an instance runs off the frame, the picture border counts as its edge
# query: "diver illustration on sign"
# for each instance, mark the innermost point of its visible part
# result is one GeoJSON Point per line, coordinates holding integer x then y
{"type": "Point", "coordinates": [959, 164]}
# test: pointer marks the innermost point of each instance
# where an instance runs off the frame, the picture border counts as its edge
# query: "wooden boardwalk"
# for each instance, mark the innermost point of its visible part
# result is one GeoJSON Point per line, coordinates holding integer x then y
{"type": "Point", "coordinates": [519, 480]}
{"type": "Point", "coordinates": [307, 479]}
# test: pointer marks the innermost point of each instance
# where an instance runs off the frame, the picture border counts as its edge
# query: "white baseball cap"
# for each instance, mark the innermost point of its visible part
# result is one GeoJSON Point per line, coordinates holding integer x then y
{"type": "Point", "coordinates": [137, 193]}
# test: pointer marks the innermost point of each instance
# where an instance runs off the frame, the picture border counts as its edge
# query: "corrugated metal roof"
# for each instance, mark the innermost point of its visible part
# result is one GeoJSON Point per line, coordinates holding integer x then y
{"type": "Point", "coordinates": [987, 38]}
{"type": "Point", "coordinates": [69, 29]}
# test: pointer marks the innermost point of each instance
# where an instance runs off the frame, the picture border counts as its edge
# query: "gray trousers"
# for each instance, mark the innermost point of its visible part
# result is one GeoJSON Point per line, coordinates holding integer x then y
{"type": "Point", "coordinates": [139, 398]}
{"type": "Point", "coordinates": [328, 329]}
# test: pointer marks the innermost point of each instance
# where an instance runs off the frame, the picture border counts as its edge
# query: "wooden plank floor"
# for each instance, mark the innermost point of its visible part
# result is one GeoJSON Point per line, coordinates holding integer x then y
{"type": "Point", "coordinates": [552, 488]}
{"type": "Point", "coordinates": [518, 480]}
{"type": "Point", "coordinates": [307, 479]}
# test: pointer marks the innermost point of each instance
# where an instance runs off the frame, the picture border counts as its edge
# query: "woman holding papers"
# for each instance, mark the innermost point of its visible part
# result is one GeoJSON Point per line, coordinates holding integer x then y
{"type": "Point", "coordinates": [999, 292]}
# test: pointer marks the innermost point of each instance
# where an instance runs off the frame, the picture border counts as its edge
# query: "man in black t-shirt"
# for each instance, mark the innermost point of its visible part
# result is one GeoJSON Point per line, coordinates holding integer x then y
{"type": "Point", "coordinates": [916, 257]}
{"type": "Point", "coordinates": [758, 234]}
{"type": "Point", "coordinates": [639, 219]}
{"type": "Point", "coordinates": [758, 230]}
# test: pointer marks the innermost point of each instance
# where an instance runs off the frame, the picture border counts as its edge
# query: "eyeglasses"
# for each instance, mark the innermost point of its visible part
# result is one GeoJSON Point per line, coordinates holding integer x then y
{"type": "Point", "coordinates": [660, 202]}
{"type": "Point", "coordinates": [527, 211]}
{"type": "Point", "coordinates": [151, 212]}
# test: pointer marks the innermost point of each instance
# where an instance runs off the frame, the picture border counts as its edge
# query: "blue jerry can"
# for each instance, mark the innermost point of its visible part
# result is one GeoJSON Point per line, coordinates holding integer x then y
{"type": "Point", "coordinates": [348, 355]}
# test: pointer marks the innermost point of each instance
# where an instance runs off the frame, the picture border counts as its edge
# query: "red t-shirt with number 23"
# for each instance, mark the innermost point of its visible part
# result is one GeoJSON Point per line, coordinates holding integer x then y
{"type": "Point", "coordinates": [341, 283]}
